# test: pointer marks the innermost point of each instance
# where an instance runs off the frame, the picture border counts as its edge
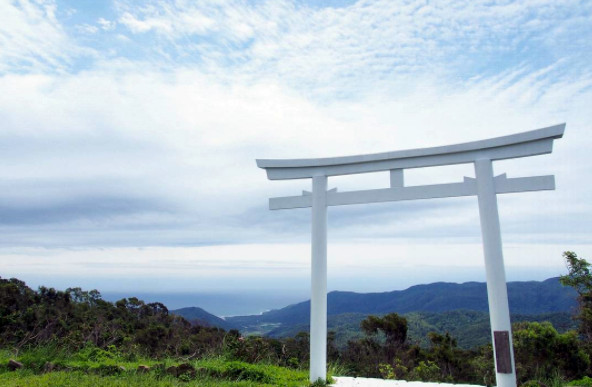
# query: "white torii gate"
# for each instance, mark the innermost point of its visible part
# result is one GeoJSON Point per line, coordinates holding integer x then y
{"type": "Point", "coordinates": [484, 185]}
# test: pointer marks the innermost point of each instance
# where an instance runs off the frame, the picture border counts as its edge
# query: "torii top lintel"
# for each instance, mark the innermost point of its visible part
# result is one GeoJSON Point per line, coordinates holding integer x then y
{"type": "Point", "coordinates": [531, 143]}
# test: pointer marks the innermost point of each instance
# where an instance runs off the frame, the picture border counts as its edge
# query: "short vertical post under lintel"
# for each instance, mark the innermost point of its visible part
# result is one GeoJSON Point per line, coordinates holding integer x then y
{"type": "Point", "coordinates": [397, 178]}
{"type": "Point", "coordinates": [497, 293]}
{"type": "Point", "coordinates": [318, 300]}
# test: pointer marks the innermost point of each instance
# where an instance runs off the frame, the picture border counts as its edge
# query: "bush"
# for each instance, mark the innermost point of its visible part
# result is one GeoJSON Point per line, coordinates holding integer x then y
{"type": "Point", "coordinates": [425, 371]}
{"type": "Point", "coordinates": [543, 353]}
{"type": "Point", "coordinates": [243, 371]}
{"type": "Point", "coordinates": [95, 354]}
{"type": "Point", "coordinates": [584, 382]}
{"type": "Point", "coordinates": [36, 358]}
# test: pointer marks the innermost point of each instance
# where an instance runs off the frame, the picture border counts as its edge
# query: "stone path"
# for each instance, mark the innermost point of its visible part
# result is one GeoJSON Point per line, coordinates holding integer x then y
{"type": "Point", "coordinates": [346, 381]}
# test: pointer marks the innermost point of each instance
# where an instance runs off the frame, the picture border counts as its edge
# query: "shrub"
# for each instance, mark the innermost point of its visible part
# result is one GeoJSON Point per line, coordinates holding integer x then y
{"type": "Point", "coordinates": [584, 382]}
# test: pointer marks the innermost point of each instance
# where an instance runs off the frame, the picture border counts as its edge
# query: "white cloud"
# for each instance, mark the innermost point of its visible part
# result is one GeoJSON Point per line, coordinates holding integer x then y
{"type": "Point", "coordinates": [391, 265]}
{"type": "Point", "coordinates": [355, 49]}
{"type": "Point", "coordinates": [138, 26]}
{"type": "Point", "coordinates": [182, 147]}
{"type": "Point", "coordinates": [152, 143]}
{"type": "Point", "coordinates": [31, 37]}
{"type": "Point", "coordinates": [88, 29]}
{"type": "Point", "coordinates": [106, 25]}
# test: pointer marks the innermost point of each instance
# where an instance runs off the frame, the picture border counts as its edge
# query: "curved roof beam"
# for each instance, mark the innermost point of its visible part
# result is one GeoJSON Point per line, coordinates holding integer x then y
{"type": "Point", "coordinates": [531, 143]}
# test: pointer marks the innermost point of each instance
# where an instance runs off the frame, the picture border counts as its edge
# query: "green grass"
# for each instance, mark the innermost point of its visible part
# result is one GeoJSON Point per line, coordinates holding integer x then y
{"type": "Point", "coordinates": [95, 367]}
{"type": "Point", "coordinates": [584, 382]}
{"type": "Point", "coordinates": [83, 379]}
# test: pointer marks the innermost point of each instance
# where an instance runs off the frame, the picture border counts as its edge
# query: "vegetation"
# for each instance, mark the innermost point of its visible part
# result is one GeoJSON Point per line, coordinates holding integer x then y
{"type": "Point", "coordinates": [525, 298]}
{"type": "Point", "coordinates": [78, 332]}
{"type": "Point", "coordinates": [95, 367]}
{"type": "Point", "coordinates": [75, 338]}
{"type": "Point", "coordinates": [460, 309]}
{"type": "Point", "coordinates": [580, 278]}
{"type": "Point", "coordinates": [542, 351]}
{"type": "Point", "coordinates": [469, 327]}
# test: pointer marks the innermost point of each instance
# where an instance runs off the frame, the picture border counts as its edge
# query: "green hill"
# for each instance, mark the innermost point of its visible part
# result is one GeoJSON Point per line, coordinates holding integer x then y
{"type": "Point", "coordinates": [199, 316]}
{"type": "Point", "coordinates": [470, 328]}
{"type": "Point", "coordinates": [531, 297]}
{"type": "Point", "coordinates": [460, 309]}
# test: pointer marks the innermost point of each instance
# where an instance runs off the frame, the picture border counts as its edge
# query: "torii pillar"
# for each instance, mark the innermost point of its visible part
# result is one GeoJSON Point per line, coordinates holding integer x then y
{"type": "Point", "coordinates": [485, 186]}
{"type": "Point", "coordinates": [318, 299]}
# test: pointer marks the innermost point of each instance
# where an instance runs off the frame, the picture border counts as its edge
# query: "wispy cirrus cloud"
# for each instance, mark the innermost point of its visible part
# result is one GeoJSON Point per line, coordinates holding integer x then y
{"type": "Point", "coordinates": [137, 124]}
{"type": "Point", "coordinates": [32, 39]}
{"type": "Point", "coordinates": [177, 154]}
{"type": "Point", "coordinates": [360, 46]}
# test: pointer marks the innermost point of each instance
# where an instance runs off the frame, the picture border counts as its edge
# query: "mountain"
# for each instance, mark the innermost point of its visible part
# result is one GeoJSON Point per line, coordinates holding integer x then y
{"type": "Point", "coordinates": [199, 316]}
{"type": "Point", "coordinates": [470, 328]}
{"type": "Point", "coordinates": [525, 298]}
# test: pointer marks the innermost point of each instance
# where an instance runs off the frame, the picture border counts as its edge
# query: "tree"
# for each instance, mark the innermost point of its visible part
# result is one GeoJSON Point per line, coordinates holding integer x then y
{"type": "Point", "coordinates": [392, 325]}
{"type": "Point", "coordinates": [580, 278]}
{"type": "Point", "coordinates": [366, 355]}
{"type": "Point", "coordinates": [541, 352]}
{"type": "Point", "coordinates": [445, 353]}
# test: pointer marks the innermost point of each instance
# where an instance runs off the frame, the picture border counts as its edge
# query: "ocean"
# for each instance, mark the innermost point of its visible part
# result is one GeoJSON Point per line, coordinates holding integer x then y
{"type": "Point", "coordinates": [220, 304]}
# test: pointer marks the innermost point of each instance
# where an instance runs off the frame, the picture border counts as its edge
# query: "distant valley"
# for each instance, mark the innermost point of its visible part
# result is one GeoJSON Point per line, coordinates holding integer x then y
{"type": "Point", "coordinates": [460, 309]}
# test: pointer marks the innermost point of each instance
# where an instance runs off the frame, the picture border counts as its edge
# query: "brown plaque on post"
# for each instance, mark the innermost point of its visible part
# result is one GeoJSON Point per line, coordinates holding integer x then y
{"type": "Point", "coordinates": [503, 357]}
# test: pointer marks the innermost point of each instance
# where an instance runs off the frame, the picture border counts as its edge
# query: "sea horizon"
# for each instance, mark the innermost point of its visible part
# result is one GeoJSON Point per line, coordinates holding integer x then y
{"type": "Point", "coordinates": [221, 304]}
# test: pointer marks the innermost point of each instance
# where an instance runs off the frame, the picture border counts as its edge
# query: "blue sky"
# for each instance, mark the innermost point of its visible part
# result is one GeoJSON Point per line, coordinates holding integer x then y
{"type": "Point", "coordinates": [129, 132]}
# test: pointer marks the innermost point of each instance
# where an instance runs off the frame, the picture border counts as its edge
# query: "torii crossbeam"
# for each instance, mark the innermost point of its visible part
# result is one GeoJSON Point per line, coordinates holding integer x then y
{"type": "Point", "coordinates": [485, 186]}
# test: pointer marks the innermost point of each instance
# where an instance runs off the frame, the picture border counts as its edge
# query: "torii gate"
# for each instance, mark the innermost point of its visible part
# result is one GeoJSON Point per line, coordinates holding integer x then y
{"type": "Point", "coordinates": [484, 185]}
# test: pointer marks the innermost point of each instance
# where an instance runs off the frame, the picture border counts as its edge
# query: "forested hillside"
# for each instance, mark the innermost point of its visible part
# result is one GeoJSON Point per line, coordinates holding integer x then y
{"type": "Point", "coordinates": [470, 328]}
{"type": "Point", "coordinates": [53, 332]}
{"type": "Point", "coordinates": [198, 316]}
{"type": "Point", "coordinates": [48, 331]}
{"type": "Point", "coordinates": [526, 298]}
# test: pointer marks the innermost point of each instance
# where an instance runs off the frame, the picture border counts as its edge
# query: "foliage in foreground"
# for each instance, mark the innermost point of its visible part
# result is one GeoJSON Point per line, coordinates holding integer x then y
{"type": "Point", "coordinates": [92, 366]}
{"type": "Point", "coordinates": [542, 354]}
{"type": "Point", "coordinates": [81, 379]}
{"type": "Point", "coordinates": [87, 340]}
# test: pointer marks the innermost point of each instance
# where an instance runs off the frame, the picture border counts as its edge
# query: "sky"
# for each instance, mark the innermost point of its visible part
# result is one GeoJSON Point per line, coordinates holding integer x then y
{"type": "Point", "coordinates": [129, 132]}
